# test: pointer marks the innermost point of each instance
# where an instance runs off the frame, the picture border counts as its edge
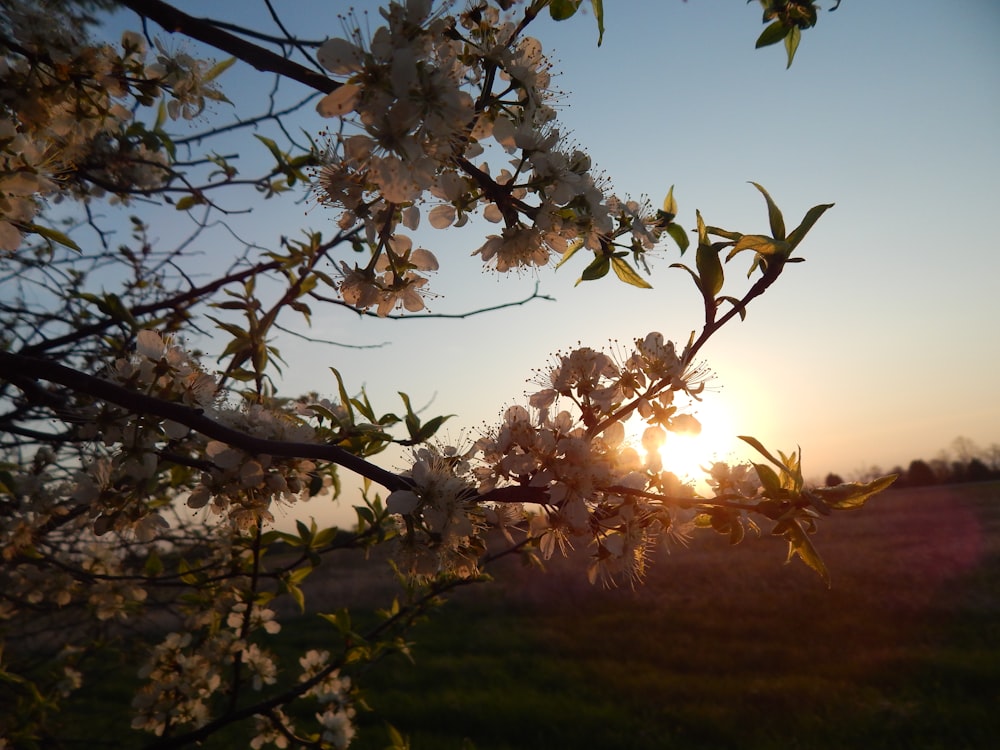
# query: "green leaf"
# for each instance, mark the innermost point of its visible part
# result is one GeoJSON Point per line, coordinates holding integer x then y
{"type": "Point", "coordinates": [344, 398]}
{"type": "Point", "coordinates": [759, 447]}
{"type": "Point", "coordinates": [161, 115]}
{"type": "Point", "coordinates": [811, 217]}
{"type": "Point", "coordinates": [852, 495]}
{"type": "Point", "coordinates": [792, 44]}
{"type": "Point", "coordinates": [184, 571]}
{"type": "Point", "coordinates": [431, 426]}
{"type": "Point", "coordinates": [772, 35]}
{"type": "Point", "coordinates": [154, 565]}
{"type": "Point", "coordinates": [218, 69]}
{"type": "Point", "coordinates": [189, 201]}
{"type": "Point", "coordinates": [305, 533]}
{"type": "Point", "coordinates": [54, 235]}
{"type": "Point", "coordinates": [769, 479]}
{"type": "Point", "coordinates": [694, 276]}
{"type": "Point", "coordinates": [738, 304]}
{"type": "Point", "coordinates": [676, 231]}
{"type": "Point", "coordinates": [270, 537]}
{"type": "Point", "coordinates": [598, 6]}
{"type": "Point", "coordinates": [717, 232]}
{"type": "Point", "coordinates": [762, 244]}
{"type": "Point", "coordinates": [773, 214]}
{"type": "Point", "coordinates": [598, 268]}
{"type": "Point", "coordinates": [800, 544]}
{"type": "Point", "coordinates": [670, 204]}
{"type": "Point", "coordinates": [299, 597]}
{"type": "Point", "coordinates": [273, 148]}
{"type": "Point", "coordinates": [560, 10]}
{"type": "Point", "coordinates": [710, 269]}
{"type": "Point", "coordinates": [112, 305]}
{"type": "Point", "coordinates": [625, 272]}
{"type": "Point", "coordinates": [341, 620]}
{"type": "Point", "coordinates": [298, 575]}
{"type": "Point", "coordinates": [570, 252]}
{"type": "Point", "coordinates": [702, 229]}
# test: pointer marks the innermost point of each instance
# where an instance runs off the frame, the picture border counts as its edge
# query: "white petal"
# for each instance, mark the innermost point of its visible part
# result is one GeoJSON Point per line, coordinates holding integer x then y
{"type": "Point", "coordinates": [340, 102]}
{"type": "Point", "coordinates": [441, 217]}
{"type": "Point", "coordinates": [10, 238]}
{"type": "Point", "coordinates": [340, 56]}
{"type": "Point", "coordinates": [402, 502]}
{"type": "Point", "coordinates": [149, 344]}
{"type": "Point", "coordinates": [424, 260]}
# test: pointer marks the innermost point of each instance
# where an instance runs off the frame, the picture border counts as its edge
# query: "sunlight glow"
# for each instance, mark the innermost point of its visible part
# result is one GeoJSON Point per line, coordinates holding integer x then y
{"type": "Point", "coordinates": [685, 454]}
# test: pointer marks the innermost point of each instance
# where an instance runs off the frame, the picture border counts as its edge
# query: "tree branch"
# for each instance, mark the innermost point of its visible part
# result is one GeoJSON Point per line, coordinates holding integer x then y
{"type": "Point", "coordinates": [14, 367]}
{"type": "Point", "coordinates": [177, 22]}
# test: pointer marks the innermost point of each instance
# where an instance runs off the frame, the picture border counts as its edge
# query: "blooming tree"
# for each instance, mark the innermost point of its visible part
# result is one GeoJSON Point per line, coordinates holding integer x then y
{"type": "Point", "coordinates": [139, 477]}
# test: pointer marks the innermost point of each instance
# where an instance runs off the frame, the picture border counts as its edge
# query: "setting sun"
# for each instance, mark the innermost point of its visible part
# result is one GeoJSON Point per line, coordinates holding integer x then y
{"type": "Point", "coordinates": [686, 453]}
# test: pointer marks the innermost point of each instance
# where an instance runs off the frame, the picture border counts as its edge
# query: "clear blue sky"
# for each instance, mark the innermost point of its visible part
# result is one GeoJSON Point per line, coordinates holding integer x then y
{"type": "Point", "coordinates": [881, 348]}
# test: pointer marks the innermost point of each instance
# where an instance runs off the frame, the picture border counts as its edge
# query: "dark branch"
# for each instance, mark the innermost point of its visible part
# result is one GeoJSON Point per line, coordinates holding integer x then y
{"type": "Point", "coordinates": [15, 366]}
{"type": "Point", "coordinates": [178, 22]}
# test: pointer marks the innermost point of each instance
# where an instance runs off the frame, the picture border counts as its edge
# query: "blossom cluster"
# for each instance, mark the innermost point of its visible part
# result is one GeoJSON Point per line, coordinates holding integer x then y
{"type": "Point", "coordinates": [187, 669]}
{"type": "Point", "coordinates": [65, 114]}
{"type": "Point", "coordinates": [233, 483]}
{"type": "Point", "coordinates": [444, 520]}
{"type": "Point", "coordinates": [423, 98]}
{"type": "Point", "coordinates": [245, 486]}
{"type": "Point", "coordinates": [569, 452]}
{"type": "Point", "coordinates": [115, 485]}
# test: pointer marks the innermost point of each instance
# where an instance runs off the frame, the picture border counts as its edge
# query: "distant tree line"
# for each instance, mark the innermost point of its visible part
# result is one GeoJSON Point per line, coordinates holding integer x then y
{"type": "Point", "coordinates": [965, 462]}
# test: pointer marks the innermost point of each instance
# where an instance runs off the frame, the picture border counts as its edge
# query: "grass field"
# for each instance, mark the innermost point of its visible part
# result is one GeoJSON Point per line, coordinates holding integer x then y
{"type": "Point", "coordinates": [721, 648]}
{"type": "Point", "coordinates": [729, 648]}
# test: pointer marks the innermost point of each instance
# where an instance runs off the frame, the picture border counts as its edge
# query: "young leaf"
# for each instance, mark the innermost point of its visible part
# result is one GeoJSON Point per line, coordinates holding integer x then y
{"type": "Point", "coordinates": [629, 275]}
{"type": "Point", "coordinates": [772, 35]}
{"type": "Point", "coordinates": [768, 478]}
{"type": "Point", "coordinates": [676, 231]}
{"type": "Point", "coordinates": [598, 6]}
{"type": "Point", "coordinates": [560, 10]}
{"type": "Point", "coordinates": [792, 44]}
{"type": "Point", "coordinates": [811, 217]}
{"type": "Point", "coordinates": [761, 244]}
{"type": "Point", "coordinates": [759, 447]}
{"type": "Point", "coordinates": [189, 201]}
{"type": "Point", "coordinates": [773, 214]}
{"type": "Point", "coordinates": [852, 494]}
{"type": "Point", "coordinates": [272, 147]}
{"type": "Point", "coordinates": [569, 253]}
{"type": "Point", "coordinates": [598, 268]}
{"type": "Point", "coordinates": [670, 204]}
{"type": "Point", "coordinates": [800, 544]}
{"type": "Point", "coordinates": [54, 235]}
{"type": "Point", "coordinates": [710, 268]}
{"type": "Point", "coordinates": [218, 69]}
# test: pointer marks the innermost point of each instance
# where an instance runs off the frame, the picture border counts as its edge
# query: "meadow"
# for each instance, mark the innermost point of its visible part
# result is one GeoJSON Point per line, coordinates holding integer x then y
{"type": "Point", "coordinates": [720, 648]}
{"type": "Point", "coordinates": [728, 648]}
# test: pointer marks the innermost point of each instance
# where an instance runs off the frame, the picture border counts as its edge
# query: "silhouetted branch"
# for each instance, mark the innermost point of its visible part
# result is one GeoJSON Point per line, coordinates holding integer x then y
{"type": "Point", "coordinates": [14, 367]}
{"type": "Point", "coordinates": [175, 21]}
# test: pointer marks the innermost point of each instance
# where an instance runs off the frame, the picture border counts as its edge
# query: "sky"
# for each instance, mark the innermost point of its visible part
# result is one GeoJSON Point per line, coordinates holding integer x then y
{"type": "Point", "coordinates": [882, 347]}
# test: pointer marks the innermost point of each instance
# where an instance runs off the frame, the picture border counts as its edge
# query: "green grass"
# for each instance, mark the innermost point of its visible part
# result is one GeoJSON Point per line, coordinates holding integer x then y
{"type": "Point", "coordinates": [721, 648]}
{"type": "Point", "coordinates": [728, 648]}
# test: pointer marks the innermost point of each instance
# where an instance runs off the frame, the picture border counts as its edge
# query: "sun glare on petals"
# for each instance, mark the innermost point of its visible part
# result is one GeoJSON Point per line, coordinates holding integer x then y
{"type": "Point", "coordinates": [688, 453]}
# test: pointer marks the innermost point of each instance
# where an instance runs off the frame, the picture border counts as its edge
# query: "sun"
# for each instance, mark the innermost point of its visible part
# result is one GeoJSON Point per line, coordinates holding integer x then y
{"type": "Point", "coordinates": [685, 454]}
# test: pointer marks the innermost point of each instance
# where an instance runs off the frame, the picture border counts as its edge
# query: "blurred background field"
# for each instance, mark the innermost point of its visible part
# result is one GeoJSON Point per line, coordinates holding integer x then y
{"type": "Point", "coordinates": [728, 648]}
{"type": "Point", "coordinates": [720, 648]}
